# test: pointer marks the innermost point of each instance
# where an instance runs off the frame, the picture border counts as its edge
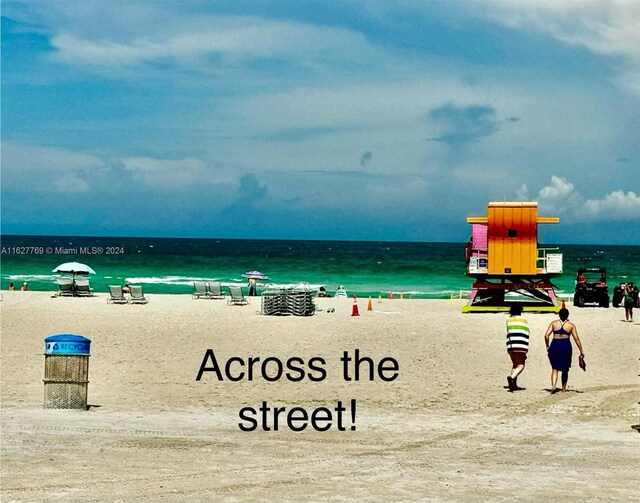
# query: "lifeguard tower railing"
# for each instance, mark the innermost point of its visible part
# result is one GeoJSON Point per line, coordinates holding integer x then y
{"type": "Point", "coordinates": [549, 261]}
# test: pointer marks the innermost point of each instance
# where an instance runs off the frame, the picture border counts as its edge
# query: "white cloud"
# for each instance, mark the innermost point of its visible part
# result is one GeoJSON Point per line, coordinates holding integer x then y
{"type": "Point", "coordinates": [34, 168]}
{"type": "Point", "coordinates": [559, 189]}
{"type": "Point", "coordinates": [164, 173]}
{"type": "Point", "coordinates": [602, 26]}
{"type": "Point", "coordinates": [617, 205]}
{"type": "Point", "coordinates": [71, 185]}
{"type": "Point", "coordinates": [30, 167]}
{"type": "Point", "coordinates": [231, 38]}
{"type": "Point", "coordinates": [561, 198]}
{"type": "Point", "coordinates": [605, 27]}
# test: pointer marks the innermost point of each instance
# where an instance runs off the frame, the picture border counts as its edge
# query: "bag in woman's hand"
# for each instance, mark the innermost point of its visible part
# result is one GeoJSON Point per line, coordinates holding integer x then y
{"type": "Point", "coordinates": [582, 363]}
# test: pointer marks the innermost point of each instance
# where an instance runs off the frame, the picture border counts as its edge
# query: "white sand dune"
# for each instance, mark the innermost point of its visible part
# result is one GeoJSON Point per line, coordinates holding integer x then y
{"type": "Point", "coordinates": [446, 430]}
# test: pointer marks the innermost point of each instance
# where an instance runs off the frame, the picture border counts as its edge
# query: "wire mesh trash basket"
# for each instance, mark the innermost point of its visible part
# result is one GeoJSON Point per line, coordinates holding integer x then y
{"type": "Point", "coordinates": [66, 371]}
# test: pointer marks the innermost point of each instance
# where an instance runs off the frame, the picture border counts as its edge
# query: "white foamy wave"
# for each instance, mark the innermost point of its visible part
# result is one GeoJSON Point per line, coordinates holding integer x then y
{"type": "Point", "coordinates": [32, 277]}
{"type": "Point", "coordinates": [166, 280]}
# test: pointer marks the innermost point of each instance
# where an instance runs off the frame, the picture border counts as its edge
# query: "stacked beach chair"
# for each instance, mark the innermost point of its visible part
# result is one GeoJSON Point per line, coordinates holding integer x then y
{"type": "Point", "coordinates": [296, 301]}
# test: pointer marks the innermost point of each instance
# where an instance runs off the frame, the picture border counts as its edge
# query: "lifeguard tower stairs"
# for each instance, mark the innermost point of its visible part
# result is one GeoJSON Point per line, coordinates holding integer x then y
{"type": "Point", "coordinates": [504, 258]}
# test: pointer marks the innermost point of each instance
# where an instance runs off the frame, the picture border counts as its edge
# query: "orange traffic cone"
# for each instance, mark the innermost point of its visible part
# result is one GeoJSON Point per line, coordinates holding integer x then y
{"type": "Point", "coordinates": [563, 305]}
{"type": "Point", "coordinates": [369, 306]}
{"type": "Point", "coordinates": [354, 311]}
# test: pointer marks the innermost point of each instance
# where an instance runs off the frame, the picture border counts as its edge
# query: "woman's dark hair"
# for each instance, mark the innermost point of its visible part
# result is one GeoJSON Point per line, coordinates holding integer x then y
{"type": "Point", "coordinates": [515, 310]}
{"type": "Point", "coordinates": [564, 314]}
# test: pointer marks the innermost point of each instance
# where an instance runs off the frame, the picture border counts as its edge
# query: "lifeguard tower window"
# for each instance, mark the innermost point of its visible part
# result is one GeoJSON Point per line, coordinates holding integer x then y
{"type": "Point", "coordinates": [512, 233]}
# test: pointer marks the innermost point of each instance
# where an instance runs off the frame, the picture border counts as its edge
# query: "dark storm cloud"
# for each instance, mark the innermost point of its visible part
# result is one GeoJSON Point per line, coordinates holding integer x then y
{"type": "Point", "coordinates": [365, 158]}
{"type": "Point", "coordinates": [459, 125]}
{"type": "Point", "coordinates": [250, 189]}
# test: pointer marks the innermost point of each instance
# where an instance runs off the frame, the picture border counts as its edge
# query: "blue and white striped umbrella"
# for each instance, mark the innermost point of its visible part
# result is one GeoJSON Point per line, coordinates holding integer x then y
{"type": "Point", "coordinates": [255, 275]}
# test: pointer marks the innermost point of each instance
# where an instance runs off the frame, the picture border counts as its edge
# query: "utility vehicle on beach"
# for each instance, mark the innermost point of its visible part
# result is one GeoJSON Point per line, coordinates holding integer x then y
{"type": "Point", "coordinates": [591, 287]}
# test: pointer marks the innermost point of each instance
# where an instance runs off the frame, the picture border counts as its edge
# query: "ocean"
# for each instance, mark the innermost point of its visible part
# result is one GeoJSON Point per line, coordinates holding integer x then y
{"type": "Point", "coordinates": [365, 268]}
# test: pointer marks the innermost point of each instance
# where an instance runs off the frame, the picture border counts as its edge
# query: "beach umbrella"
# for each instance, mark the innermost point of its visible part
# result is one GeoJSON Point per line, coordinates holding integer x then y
{"type": "Point", "coordinates": [255, 275]}
{"type": "Point", "coordinates": [74, 268]}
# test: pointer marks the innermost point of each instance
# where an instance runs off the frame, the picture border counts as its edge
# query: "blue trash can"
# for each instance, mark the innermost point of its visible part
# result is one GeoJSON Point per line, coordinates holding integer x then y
{"type": "Point", "coordinates": [66, 371]}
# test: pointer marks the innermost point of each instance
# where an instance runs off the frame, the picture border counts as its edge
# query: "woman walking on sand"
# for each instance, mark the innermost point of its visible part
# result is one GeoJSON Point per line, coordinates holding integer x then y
{"type": "Point", "coordinates": [629, 301]}
{"type": "Point", "coordinates": [559, 350]}
{"type": "Point", "coordinates": [517, 344]}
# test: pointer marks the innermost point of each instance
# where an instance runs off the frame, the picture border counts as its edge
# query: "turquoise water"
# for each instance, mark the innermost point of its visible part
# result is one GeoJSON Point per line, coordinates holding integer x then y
{"type": "Point", "coordinates": [163, 265]}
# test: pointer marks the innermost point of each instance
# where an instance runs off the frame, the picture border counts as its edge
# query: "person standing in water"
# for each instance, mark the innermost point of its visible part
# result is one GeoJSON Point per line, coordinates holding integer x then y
{"type": "Point", "coordinates": [253, 282]}
{"type": "Point", "coordinates": [559, 349]}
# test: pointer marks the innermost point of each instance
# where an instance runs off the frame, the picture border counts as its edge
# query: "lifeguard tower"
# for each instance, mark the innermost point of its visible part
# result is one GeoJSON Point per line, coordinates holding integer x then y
{"type": "Point", "coordinates": [504, 258]}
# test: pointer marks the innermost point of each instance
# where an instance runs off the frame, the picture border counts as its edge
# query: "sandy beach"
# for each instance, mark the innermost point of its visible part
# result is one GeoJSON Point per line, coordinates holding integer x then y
{"type": "Point", "coordinates": [446, 430]}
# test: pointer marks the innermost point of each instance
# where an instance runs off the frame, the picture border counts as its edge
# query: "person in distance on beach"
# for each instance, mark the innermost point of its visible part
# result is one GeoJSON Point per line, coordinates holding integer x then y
{"type": "Point", "coordinates": [11, 287]}
{"type": "Point", "coordinates": [341, 292]}
{"type": "Point", "coordinates": [629, 301]}
{"type": "Point", "coordinates": [559, 350]}
{"type": "Point", "coordinates": [517, 344]}
{"type": "Point", "coordinates": [25, 287]}
{"type": "Point", "coordinates": [252, 287]}
{"type": "Point", "coordinates": [322, 292]}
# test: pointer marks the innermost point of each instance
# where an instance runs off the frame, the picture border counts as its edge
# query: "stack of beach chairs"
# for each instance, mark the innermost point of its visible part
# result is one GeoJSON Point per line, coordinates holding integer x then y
{"type": "Point", "coordinates": [288, 302]}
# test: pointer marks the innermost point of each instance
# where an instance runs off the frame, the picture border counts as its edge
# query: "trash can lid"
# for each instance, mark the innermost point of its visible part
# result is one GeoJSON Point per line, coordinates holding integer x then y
{"type": "Point", "coordinates": [66, 344]}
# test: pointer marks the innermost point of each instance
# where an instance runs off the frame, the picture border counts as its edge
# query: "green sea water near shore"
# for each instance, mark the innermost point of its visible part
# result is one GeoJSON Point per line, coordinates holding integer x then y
{"type": "Point", "coordinates": [365, 268]}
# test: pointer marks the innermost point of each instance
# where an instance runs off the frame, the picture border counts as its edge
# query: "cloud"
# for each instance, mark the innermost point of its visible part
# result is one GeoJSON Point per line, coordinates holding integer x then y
{"type": "Point", "coordinates": [242, 211]}
{"type": "Point", "coordinates": [299, 133]}
{"type": "Point", "coordinates": [523, 193]}
{"type": "Point", "coordinates": [365, 158]}
{"type": "Point", "coordinates": [561, 198]}
{"type": "Point", "coordinates": [250, 189]}
{"type": "Point", "coordinates": [228, 38]}
{"type": "Point", "coordinates": [71, 185]}
{"type": "Point", "coordinates": [603, 27]}
{"type": "Point", "coordinates": [558, 190]}
{"type": "Point", "coordinates": [34, 168]}
{"type": "Point", "coordinates": [163, 173]}
{"type": "Point", "coordinates": [459, 125]}
{"type": "Point", "coordinates": [618, 205]}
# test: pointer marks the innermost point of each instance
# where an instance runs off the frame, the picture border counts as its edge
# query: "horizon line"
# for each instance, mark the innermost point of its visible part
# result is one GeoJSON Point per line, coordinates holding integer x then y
{"type": "Point", "coordinates": [275, 239]}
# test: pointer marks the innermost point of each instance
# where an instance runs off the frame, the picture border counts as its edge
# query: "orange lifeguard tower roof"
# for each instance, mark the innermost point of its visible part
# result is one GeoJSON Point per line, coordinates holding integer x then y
{"type": "Point", "coordinates": [513, 204]}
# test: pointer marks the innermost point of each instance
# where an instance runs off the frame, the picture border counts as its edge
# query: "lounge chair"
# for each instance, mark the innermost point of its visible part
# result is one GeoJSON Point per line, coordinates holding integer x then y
{"type": "Point", "coordinates": [200, 290]}
{"type": "Point", "coordinates": [237, 297]}
{"type": "Point", "coordinates": [82, 288]}
{"type": "Point", "coordinates": [116, 295]}
{"type": "Point", "coordinates": [137, 296]}
{"type": "Point", "coordinates": [214, 290]}
{"type": "Point", "coordinates": [65, 287]}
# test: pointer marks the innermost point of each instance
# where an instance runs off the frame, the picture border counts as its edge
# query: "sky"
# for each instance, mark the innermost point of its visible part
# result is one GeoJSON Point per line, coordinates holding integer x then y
{"type": "Point", "coordinates": [296, 119]}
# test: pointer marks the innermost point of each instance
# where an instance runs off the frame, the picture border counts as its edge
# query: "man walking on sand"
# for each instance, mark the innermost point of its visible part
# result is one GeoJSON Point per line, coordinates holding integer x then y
{"type": "Point", "coordinates": [517, 344]}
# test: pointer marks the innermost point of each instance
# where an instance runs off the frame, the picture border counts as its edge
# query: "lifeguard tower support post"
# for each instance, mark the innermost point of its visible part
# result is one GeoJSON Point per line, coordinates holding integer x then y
{"type": "Point", "coordinates": [504, 258]}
